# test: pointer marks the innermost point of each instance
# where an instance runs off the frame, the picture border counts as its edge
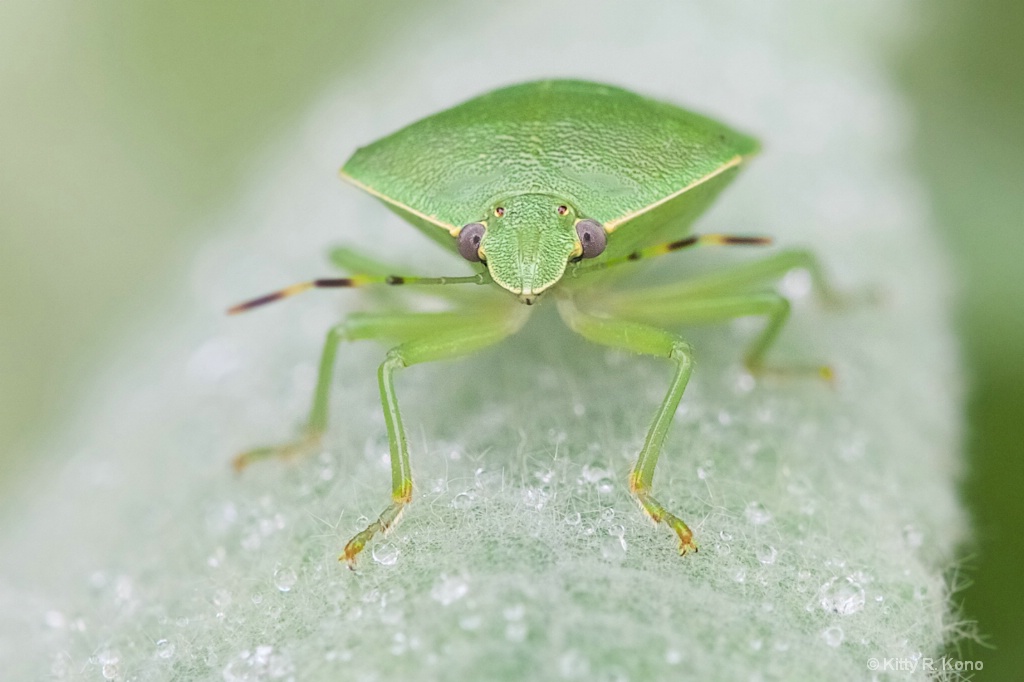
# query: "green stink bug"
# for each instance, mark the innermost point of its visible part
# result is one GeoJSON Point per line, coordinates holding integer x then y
{"type": "Point", "coordinates": [544, 187]}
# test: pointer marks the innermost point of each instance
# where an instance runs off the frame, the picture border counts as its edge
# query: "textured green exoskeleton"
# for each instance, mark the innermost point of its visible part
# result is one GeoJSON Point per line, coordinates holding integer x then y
{"type": "Point", "coordinates": [544, 187]}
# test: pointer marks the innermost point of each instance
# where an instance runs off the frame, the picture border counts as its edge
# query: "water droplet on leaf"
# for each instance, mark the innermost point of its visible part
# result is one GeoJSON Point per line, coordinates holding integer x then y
{"type": "Point", "coordinates": [385, 554]}
{"type": "Point", "coordinates": [285, 579]}
{"type": "Point", "coordinates": [833, 636]}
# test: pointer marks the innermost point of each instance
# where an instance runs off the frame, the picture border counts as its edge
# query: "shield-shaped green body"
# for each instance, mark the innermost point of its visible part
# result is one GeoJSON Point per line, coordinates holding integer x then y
{"type": "Point", "coordinates": [642, 169]}
{"type": "Point", "coordinates": [524, 182]}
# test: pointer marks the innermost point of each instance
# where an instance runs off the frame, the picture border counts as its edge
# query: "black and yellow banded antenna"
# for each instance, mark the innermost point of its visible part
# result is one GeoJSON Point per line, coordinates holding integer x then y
{"type": "Point", "coordinates": [353, 282]}
{"type": "Point", "coordinates": [670, 247]}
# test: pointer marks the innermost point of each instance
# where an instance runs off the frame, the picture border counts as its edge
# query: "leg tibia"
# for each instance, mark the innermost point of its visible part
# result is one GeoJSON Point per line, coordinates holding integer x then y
{"type": "Point", "coordinates": [316, 424]}
{"type": "Point", "coordinates": [453, 341]}
{"type": "Point", "coordinates": [641, 338]}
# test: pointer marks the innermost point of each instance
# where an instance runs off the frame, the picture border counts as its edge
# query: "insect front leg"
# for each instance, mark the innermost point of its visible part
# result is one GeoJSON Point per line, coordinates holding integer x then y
{"type": "Point", "coordinates": [440, 345]}
{"type": "Point", "coordinates": [396, 326]}
{"type": "Point", "coordinates": [647, 340]}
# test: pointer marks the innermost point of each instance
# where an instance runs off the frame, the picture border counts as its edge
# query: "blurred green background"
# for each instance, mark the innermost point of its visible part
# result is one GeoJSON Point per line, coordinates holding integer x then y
{"type": "Point", "coordinates": [123, 125]}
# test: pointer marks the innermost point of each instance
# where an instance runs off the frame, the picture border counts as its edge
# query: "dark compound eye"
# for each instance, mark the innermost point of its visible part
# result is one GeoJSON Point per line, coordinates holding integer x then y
{"type": "Point", "coordinates": [562, 210]}
{"type": "Point", "coordinates": [469, 241]}
{"type": "Point", "coordinates": [500, 211]}
{"type": "Point", "coordinates": [592, 237]}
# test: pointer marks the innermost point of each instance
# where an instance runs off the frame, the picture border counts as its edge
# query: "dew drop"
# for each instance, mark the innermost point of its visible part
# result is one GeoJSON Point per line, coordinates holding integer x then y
{"type": "Point", "coordinates": [464, 500]}
{"type": "Point", "coordinates": [757, 514]}
{"type": "Point", "coordinates": [55, 619]}
{"type": "Point", "coordinates": [912, 537]}
{"type": "Point", "coordinates": [487, 480]}
{"type": "Point", "coordinates": [399, 644]}
{"type": "Point", "coordinates": [449, 589]}
{"type": "Point", "coordinates": [573, 519]}
{"type": "Point", "coordinates": [673, 657]}
{"type": "Point", "coordinates": [613, 550]}
{"type": "Point", "coordinates": [514, 612]}
{"type": "Point", "coordinates": [164, 648]}
{"type": "Point", "coordinates": [251, 541]}
{"type": "Point", "coordinates": [471, 622]}
{"type": "Point", "coordinates": [745, 382]}
{"type": "Point", "coordinates": [385, 554]}
{"type": "Point", "coordinates": [217, 558]}
{"type": "Point", "coordinates": [833, 636]}
{"type": "Point", "coordinates": [573, 665]}
{"type": "Point", "coordinates": [98, 580]}
{"type": "Point", "coordinates": [767, 554]}
{"type": "Point", "coordinates": [535, 498]}
{"type": "Point", "coordinates": [123, 590]}
{"type": "Point", "coordinates": [261, 664]}
{"type": "Point", "coordinates": [516, 632]}
{"type": "Point", "coordinates": [595, 474]}
{"type": "Point", "coordinates": [108, 661]}
{"type": "Point", "coordinates": [844, 597]}
{"type": "Point", "coordinates": [222, 599]}
{"type": "Point", "coordinates": [285, 579]}
{"type": "Point", "coordinates": [61, 667]}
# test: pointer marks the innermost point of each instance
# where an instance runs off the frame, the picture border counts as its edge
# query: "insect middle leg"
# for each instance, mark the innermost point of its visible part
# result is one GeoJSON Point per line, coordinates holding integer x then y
{"type": "Point", "coordinates": [727, 295]}
{"type": "Point", "coordinates": [647, 340]}
{"type": "Point", "coordinates": [437, 346]}
{"type": "Point", "coordinates": [357, 326]}
{"type": "Point", "coordinates": [748, 276]}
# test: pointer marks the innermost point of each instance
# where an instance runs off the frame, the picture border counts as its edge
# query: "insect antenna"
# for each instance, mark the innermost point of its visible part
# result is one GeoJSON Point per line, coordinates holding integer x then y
{"type": "Point", "coordinates": [679, 244]}
{"type": "Point", "coordinates": [351, 283]}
